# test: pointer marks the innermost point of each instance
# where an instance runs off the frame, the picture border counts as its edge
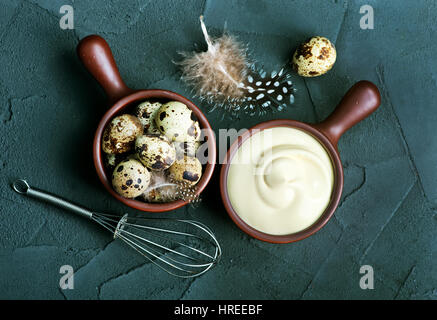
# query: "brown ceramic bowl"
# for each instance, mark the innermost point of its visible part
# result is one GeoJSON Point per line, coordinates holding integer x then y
{"type": "Point", "coordinates": [96, 56]}
{"type": "Point", "coordinates": [359, 102]}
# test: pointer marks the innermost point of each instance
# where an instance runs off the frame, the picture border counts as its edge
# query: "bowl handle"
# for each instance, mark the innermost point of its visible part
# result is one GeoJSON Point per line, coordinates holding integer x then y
{"type": "Point", "coordinates": [95, 54]}
{"type": "Point", "coordinates": [360, 101]}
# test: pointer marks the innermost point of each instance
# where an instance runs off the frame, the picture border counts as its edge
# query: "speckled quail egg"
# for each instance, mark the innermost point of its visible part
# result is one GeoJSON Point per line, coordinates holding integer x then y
{"type": "Point", "coordinates": [190, 146]}
{"type": "Point", "coordinates": [146, 112]}
{"type": "Point", "coordinates": [120, 134]}
{"type": "Point", "coordinates": [195, 133]}
{"type": "Point", "coordinates": [155, 151]}
{"type": "Point", "coordinates": [188, 169]}
{"type": "Point", "coordinates": [153, 129]}
{"type": "Point", "coordinates": [130, 178]}
{"type": "Point", "coordinates": [314, 57]}
{"type": "Point", "coordinates": [175, 120]}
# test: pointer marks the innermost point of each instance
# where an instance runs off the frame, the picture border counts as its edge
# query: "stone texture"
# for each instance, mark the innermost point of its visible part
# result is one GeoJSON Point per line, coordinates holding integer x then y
{"type": "Point", "coordinates": [50, 106]}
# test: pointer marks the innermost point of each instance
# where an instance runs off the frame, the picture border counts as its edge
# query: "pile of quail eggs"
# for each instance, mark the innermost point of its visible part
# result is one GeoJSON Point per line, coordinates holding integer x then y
{"type": "Point", "coordinates": [153, 151]}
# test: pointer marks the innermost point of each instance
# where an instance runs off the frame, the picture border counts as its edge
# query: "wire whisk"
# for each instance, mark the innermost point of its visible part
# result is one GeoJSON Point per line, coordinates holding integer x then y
{"type": "Point", "coordinates": [184, 248]}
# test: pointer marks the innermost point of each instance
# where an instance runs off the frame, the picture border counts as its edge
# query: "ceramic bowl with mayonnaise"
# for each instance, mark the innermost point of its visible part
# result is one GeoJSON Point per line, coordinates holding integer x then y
{"type": "Point", "coordinates": [282, 180]}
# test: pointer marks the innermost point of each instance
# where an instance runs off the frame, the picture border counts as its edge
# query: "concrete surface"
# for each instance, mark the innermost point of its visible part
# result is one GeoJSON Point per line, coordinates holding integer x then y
{"type": "Point", "coordinates": [50, 106]}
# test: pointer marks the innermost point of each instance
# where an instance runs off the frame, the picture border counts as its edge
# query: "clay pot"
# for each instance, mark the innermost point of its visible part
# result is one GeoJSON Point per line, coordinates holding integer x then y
{"type": "Point", "coordinates": [358, 103]}
{"type": "Point", "coordinates": [95, 54]}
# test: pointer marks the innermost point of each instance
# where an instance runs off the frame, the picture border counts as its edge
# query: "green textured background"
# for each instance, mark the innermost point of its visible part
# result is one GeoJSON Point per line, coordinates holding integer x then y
{"type": "Point", "coordinates": [50, 106]}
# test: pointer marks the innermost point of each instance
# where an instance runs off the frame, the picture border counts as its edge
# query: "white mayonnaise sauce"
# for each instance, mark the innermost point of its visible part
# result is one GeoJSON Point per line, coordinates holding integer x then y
{"type": "Point", "coordinates": [280, 180]}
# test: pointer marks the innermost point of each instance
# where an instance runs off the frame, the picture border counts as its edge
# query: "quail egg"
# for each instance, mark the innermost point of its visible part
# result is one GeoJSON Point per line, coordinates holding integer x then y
{"type": "Point", "coordinates": [120, 134]}
{"type": "Point", "coordinates": [175, 120]}
{"type": "Point", "coordinates": [146, 112]}
{"type": "Point", "coordinates": [153, 129]}
{"type": "Point", "coordinates": [188, 169]}
{"type": "Point", "coordinates": [190, 146]}
{"type": "Point", "coordinates": [130, 178]}
{"type": "Point", "coordinates": [155, 151]}
{"type": "Point", "coordinates": [195, 132]}
{"type": "Point", "coordinates": [314, 57]}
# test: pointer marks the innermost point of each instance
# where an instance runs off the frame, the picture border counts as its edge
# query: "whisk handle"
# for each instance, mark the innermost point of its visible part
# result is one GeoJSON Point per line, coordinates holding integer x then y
{"type": "Point", "coordinates": [22, 187]}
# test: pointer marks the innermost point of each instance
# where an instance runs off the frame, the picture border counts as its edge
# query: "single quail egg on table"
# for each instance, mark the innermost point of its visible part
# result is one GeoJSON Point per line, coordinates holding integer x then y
{"type": "Point", "coordinates": [120, 134]}
{"type": "Point", "coordinates": [146, 113]}
{"type": "Point", "coordinates": [176, 121]}
{"type": "Point", "coordinates": [155, 152]}
{"type": "Point", "coordinates": [314, 57]}
{"type": "Point", "coordinates": [130, 178]}
{"type": "Point", "coordinates": [187, 170]}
